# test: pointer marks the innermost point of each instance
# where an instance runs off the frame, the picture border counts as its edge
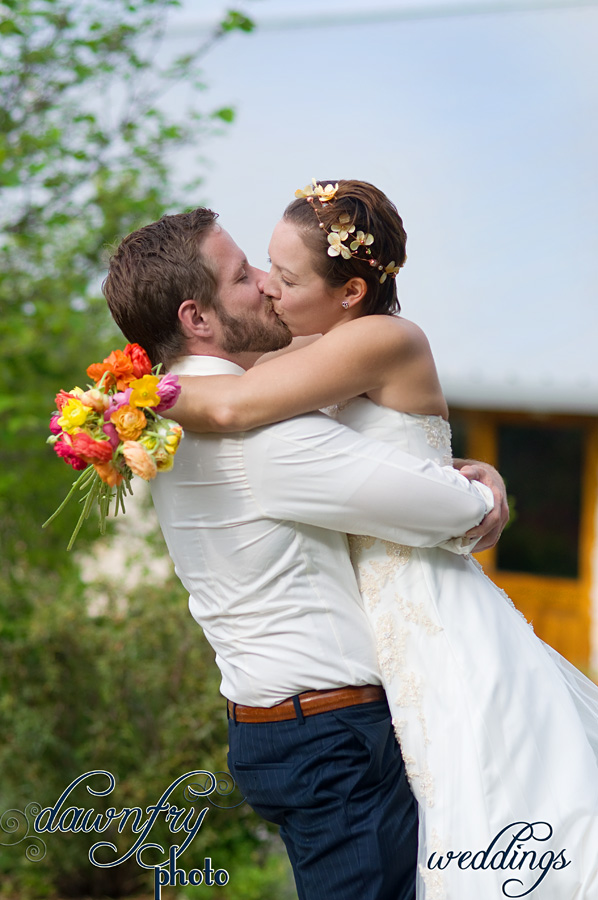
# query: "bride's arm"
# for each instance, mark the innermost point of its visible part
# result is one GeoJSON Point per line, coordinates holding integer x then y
{"type": "Point", "coordinates": [354, 358]}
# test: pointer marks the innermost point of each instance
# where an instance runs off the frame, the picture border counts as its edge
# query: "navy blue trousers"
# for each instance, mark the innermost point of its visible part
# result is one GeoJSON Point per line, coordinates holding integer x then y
{"type": "Point", "coordinates": [335, 784]}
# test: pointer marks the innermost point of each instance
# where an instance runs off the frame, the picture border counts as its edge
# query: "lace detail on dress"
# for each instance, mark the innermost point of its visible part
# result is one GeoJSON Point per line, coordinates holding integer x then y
{"type": "Point", "coordinates": [423, 777]}
{"type": "Point", "coordinates": [376, 565]}
{"type": "Point", "coordinates": [433, 883]}
{"type": "Point", "coordinates": [433, 879]}
{"type": "Point", "coordinates": [390, 645]}
{"type": "Point", "coordinates": [438, 435]}
{"type": "Point", "coordinates": [416, 613]}
{"type": "Point", "coordinates": [374, 574]}
{"type": "Point", "coordinates": [359, 542]}
{"type": "Point", "coordinates": [336, 408]}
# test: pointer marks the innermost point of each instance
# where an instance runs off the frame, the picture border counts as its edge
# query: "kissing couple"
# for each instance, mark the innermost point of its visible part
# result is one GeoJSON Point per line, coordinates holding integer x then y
{"type": "Point", "coordinates": [389, 708]}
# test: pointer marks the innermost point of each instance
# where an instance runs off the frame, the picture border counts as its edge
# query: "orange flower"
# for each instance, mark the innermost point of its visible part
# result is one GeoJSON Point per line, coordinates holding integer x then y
{"type": "Point", "coordinates": [98, 370]}
{"type": "Point", "coordinates": [141, 361]}
{"type": "Point", "coordinates": [139, 460]}
{"type": "Point", "coordinates": [121, 367]}
{"type": "Point", "coordinates": [108, 473]}
{"type": "Point", "coordinates": [129, 422]}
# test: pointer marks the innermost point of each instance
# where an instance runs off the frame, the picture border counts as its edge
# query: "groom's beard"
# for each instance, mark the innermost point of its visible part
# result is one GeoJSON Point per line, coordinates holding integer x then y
{"type": "Point", "coordinates": [251, 334]}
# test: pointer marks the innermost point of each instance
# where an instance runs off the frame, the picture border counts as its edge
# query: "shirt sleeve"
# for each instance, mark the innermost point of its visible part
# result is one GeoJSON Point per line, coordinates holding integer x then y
{"type": "Point", "coordinates": [313, 470]}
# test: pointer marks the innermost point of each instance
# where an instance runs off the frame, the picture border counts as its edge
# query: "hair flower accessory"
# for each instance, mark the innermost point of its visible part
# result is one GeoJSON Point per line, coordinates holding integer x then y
{"type": "Point", "coordinates": [343, 228]}
{"type": "Point", "coordinates": [337, 248]}
{"type": "Point", "coordinates": [339, 231]}
{"type": "Point", "coordinates": [390, 269]}
{"type": "Point", "coordinates": [362, 240]}
{"type": "Point", "coordinates": [318, 191]}
{"type": "Point", "coordinates": [114, 430]}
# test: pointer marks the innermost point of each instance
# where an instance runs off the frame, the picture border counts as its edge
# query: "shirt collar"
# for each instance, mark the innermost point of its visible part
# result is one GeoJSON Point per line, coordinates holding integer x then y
{"type": "Point", "coordinates": [205, 365]}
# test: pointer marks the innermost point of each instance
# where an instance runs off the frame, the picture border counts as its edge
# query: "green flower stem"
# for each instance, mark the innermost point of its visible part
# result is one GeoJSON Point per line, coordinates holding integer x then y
{"type": "Point", "coordinates": [91, 496]}
{"type": "Point", "coordinates": [104, 503]}
{"type": "Point", "coordinates": [80, 483]}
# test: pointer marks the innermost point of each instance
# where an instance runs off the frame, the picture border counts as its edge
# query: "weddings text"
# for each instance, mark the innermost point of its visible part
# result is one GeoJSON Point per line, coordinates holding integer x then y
{"type": "Point", "coordinates": [513, 856]}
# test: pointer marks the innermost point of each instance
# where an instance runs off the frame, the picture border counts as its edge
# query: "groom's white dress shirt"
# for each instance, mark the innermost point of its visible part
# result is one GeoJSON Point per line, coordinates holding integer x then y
{"type": "Point", "coordinates": [255, 523]}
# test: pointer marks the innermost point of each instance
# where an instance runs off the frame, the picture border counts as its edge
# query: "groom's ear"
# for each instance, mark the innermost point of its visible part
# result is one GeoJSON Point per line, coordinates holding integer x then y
{"type": "Point", "coordinates": [354, 291]}
{"type": "Point", "coordinates": [194, 322]}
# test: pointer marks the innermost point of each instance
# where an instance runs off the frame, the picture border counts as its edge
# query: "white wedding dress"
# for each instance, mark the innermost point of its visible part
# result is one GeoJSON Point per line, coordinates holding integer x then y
{"type": "Point", "coordinates": [499, 733]}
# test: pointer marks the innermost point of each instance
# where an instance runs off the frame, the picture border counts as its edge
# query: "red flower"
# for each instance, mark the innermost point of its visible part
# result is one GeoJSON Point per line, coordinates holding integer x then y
{"type": "Point", "coordinates": [141, 361]}
{"type": "Point", "coordinates": [62, 398]}
{"type": "Point", "coordinates": [63, 448]}
{"type": "Point", "coordinates": [91, 451]}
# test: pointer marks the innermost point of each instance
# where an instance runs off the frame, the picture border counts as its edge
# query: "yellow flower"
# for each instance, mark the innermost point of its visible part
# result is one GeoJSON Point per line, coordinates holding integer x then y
{"type": "Point", "coordinates": [337, 248]}
{"type": "Point", "coordinates": [362, 240]}
{"type": "Point", "coordinates": [74, 414]}
{"type": "Point", "coordinates": [149, 440]}
{"type": "Point", "coordinates": [390, 269]}
{"type": "Point", "coordinates": [173, 439]}
{"type": "Point", "coordinates": [143, 391]}
{"type": "Point", "coordinates": [341, 227]}
{"type": "Point", "coordinates": [164, 460]}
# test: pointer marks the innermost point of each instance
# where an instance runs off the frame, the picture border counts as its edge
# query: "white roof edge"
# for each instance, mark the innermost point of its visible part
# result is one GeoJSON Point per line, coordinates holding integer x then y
{"type": "Point", "coordinates": [475, 393]}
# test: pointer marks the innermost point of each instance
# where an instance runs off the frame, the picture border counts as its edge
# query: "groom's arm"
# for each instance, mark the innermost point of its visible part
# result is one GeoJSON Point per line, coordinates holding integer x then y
{"type": "Point", "coordinates": [312, 470]}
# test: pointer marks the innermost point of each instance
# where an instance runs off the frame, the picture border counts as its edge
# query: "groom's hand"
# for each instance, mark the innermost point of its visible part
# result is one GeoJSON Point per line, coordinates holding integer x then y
{"type": "Point", "coordinates": [491, 527]}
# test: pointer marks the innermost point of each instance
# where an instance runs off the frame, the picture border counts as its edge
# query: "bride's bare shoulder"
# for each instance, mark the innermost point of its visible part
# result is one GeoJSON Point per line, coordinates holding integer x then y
{"type": "Point", "coordinates": [390, 332]}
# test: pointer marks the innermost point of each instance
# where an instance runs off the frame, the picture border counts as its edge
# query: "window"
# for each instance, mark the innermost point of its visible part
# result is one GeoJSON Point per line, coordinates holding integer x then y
{"type": "Point", "coordinates": [542, 467]}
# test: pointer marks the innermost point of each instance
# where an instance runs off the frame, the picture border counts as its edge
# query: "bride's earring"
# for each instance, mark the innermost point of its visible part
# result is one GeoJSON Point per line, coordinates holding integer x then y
{"type": "Point", "coordinates": [345, 304]}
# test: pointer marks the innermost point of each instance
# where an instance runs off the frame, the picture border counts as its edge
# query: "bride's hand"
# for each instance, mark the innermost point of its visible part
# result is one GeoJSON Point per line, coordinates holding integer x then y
{"type": "Point", "coordinates": [491, 527]}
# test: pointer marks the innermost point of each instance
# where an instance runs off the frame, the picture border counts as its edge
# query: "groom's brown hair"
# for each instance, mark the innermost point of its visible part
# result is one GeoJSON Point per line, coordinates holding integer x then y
{"type": "Point", "coordinates": [152, 272]}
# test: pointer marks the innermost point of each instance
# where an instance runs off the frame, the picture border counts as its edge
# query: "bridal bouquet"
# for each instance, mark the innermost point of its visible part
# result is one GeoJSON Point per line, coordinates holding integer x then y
{"type": "Point", "coordinates": [114, 430]}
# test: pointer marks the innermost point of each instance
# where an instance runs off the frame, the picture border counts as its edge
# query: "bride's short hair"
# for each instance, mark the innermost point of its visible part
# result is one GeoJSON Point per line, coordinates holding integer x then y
{"type": "Point", "coordinates": [370, 211]}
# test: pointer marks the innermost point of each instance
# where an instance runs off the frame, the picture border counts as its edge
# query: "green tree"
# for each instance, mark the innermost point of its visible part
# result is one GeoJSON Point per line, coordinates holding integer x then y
{"type": "Point", "coordinates": [87, 151]}
{"type": "Point", "coordinates": [86, 155]}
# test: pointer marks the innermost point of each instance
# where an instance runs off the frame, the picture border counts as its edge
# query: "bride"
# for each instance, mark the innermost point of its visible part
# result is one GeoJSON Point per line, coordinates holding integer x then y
{"type": "Point", "coordinates": [499, 734]}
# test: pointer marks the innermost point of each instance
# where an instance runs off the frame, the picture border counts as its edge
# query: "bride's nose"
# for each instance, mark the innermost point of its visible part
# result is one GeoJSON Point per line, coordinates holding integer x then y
{"type": "Point", "coordinates": [270, 286]}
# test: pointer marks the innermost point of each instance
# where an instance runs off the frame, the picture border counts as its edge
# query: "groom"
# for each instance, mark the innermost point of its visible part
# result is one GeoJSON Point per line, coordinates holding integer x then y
{"type": "Point", "coordinates": [255, 525]}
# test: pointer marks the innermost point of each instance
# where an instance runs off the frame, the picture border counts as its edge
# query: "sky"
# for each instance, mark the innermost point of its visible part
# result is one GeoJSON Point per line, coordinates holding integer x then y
{"type": "Point", "coordinates": [480, 122]}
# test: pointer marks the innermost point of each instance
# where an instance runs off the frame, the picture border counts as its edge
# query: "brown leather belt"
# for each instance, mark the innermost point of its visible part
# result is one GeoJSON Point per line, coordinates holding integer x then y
{"type": "Point", "coordinates": [312, 702]}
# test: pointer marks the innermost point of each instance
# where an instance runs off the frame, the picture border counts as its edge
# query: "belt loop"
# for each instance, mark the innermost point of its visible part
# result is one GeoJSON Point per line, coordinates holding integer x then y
{"type": "Point", "coordinates": [298, 710]}
{"type": "Point", "coordinates": [234, 715]}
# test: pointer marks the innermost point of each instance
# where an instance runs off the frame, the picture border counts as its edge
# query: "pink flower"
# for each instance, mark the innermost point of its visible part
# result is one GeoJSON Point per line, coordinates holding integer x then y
{"type": "Point", "coordinates": [112, 434]}
{"type": "Point", "coordinates": [54, 426]}
{"type": "Point", "coordinates": [168, 390]}
{"type": "Point", "coordinates": [116, 401]}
